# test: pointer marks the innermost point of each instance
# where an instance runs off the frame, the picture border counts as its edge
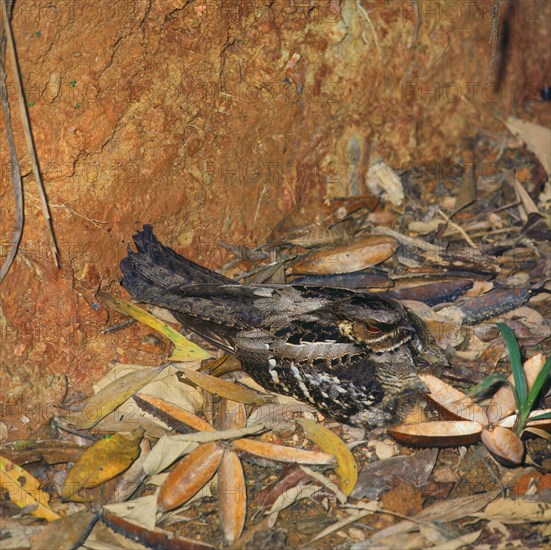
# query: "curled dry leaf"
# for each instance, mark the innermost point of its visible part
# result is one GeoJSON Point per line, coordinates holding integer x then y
{"type": "Point", "coordinates": [543, 424]}
{"type": "Point", "coordinates": [453, 403]}
{"type": "Point", "coordinates": [437, 434]}
{"type": "Point", "coordinates": [347, 469]}
{"type": "Point", "coordinates": [189, 476]}
{"type": "Point", "coordinates": [504, 445]}
{"type": "Point", "coordinates": [232, 496]}
{"type": "Point", "coordinates": [354, 256]}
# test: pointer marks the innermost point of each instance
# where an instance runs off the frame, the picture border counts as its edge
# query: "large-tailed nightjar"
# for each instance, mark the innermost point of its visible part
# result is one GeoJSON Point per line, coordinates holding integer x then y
{"type": "Point", "coordinates": [355, 356]}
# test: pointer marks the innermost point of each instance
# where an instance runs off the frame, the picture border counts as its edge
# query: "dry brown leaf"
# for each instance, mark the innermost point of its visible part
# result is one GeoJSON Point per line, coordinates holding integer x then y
{"type": "Point", "coordinates": [189, 475]}
{"type": "Point", "coordinates": [224, 388]}
{"type": "Point", "coordinates": [508, 510]}
{"type": "Point", "coordinates": [544, 424]}
{"type": "Point", "coordinates": [353, 256]}
{"type": "Point", "coordinates": [175, 416]}
{"type": "Point", "coordinates": [65, 533]}
{"type": "Point", "coordinates": [102, 461]}
{"type": "Point", "coordinates": [232, 496]}
{"type": "Point", "coordinates": [504, 444]}
{"type": "Point", "coordinates": [142, 511]}
{"type": "Point", "coordinates": [233, 416]}
{"type": "Point", "coordinates": [437, 434]}
{"type": "Point", "coordinates": [453, 403]}
{"type": "Point", "coordinates": [536, 137]}
{"type": "Point", "coordinates": [281, 453]}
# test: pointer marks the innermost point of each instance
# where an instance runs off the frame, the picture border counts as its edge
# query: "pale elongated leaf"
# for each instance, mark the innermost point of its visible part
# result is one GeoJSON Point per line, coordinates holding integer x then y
{"type": "Point", "coordinates": [232, 496]}
{"type": "Point", "coordinates": [114, 395]}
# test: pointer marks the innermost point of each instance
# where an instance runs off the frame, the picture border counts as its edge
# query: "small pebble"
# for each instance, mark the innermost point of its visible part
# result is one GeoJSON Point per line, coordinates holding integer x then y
{"type": "Point", "coordinates": [385, 449]}
{"type": "Point", "coordinates": [356, 534]}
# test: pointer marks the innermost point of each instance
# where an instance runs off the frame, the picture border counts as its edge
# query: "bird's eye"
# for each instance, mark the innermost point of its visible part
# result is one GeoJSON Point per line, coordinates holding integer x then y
{"type": "Point", "coordinates": [372, 328]}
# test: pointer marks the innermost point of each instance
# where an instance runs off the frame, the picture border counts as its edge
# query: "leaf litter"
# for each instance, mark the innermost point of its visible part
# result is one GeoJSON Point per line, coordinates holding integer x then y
{"type": "Point", "coordinates": [462, 263]}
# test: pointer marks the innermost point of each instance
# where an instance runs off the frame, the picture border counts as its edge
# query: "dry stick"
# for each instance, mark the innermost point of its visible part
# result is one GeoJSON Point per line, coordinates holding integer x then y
{"type": "Point", "coordinates": [27, 131]}
{"type": "Point", "coordinates": [14, 166]}
{"type": "Point", "coordinates": [417, 23]}
{"type": "Point", "coordinates": [494, 35]}
{"type": "Point", "coordinates": [457, 227]}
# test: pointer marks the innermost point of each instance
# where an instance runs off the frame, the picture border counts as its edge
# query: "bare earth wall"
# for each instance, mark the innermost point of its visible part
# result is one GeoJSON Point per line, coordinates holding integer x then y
{"type": "Point", "coordinates": [211, 120]}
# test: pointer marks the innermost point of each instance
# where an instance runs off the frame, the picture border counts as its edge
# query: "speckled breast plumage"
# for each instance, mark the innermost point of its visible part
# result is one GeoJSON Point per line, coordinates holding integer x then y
{"type": "Point", "coordinates": [355, 356]}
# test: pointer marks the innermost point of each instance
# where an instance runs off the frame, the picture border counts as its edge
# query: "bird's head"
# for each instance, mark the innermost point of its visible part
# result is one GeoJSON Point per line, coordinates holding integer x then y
{"type": "Point", "coordinates": [377, 323]}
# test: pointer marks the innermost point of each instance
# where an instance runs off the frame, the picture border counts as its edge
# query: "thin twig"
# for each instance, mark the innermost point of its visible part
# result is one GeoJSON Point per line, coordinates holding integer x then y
{"type": "Point", "coordinates": [458, 228]}
{"type": "Point", "coordinates": [14, 161]}
{"type": "Point", "coordinates": [27, 130]}
{"type": "Point", "coordinates": [417, 23]}
{"type": "Point", "coordinates": [366, 15]}
{"type": "Point", "coordinates": [494, 42]}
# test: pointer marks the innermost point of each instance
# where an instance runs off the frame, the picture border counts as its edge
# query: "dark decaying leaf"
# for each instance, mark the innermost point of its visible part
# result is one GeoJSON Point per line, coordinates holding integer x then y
{"type": "Point", "coordinates": [494, 303]}
{"type": "Point", "coordinates": [66, 533]}
{"type": "Point", "coordinates": [157, 539]}
{"type": "Point", "coordinates": [378, 477]}
{"type": "Point", "coordinates": [432, 293]}
{"type": "Point", "coordinates": [356, 280]}
{"type": "Point", "coordinates": [291, 476]}
{"type": "Point", "coordinates": [52, 451]}
{"type": "Point", "coordinates": [467, 260]}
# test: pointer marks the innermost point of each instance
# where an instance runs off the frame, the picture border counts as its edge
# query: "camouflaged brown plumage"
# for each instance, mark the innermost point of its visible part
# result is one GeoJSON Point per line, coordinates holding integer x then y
{"type": "Point", "coordinates": [353, 355]}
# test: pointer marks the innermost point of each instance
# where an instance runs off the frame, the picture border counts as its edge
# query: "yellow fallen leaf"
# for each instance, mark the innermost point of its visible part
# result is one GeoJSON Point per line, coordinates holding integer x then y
{"type": "Point", "coordinates": [24, 490]}
{"type": "Point", "coordinates": [325, 439]}
{"type": "Point", "coordinates": [184, 350]}
{"type": "Point", "coordinates": [224, 388]}
{"type": "Point", "coordinates": [113, 395]}
{"type": "Point", "coordinates": [101, 462]}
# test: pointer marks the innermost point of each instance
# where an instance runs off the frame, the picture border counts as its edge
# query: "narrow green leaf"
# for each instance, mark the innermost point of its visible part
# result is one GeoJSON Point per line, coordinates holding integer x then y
{"type": "Point", "coordinates": [520, 390]}
{"type": "Point", "coordinates": [537, 386]}
{"type": "Point", "coordinates": [543, 416]}
{"type": "Point", "coordinates": [487, 383]}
